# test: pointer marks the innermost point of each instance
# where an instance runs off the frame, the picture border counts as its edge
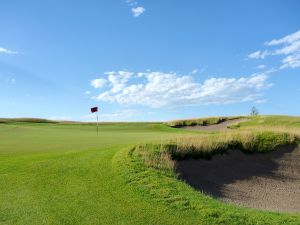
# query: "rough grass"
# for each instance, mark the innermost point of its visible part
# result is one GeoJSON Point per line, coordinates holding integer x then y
{"type": "Point", "coordinates": [161, 155]}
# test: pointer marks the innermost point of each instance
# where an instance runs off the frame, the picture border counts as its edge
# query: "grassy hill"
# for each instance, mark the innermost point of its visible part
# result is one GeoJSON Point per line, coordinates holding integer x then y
{"type": "Point", "coordinates": [56, 173]}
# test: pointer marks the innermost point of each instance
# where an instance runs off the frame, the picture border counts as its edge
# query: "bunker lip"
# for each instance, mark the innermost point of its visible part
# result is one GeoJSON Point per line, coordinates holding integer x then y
{"type": "Point", "coordinates": [215, 127]}
{"type": "Point", "coordinates": [269, 181]}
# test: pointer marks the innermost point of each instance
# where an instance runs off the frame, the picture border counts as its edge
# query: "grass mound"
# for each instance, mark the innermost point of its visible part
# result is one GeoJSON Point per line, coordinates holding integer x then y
{"type": "Point", "coordinates": [150, 169]}
{"type": "Point", "coordinates": [200, 121]}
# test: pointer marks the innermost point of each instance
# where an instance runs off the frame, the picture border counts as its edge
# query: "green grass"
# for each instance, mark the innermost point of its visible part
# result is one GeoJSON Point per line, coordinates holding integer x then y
{"type": "Point", "coordinates": [276, 120]}
{"type": "Point", "coordinates": [64, 174]}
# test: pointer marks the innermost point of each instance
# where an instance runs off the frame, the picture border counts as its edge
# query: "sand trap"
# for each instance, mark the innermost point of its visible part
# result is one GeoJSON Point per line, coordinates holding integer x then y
{"type": "Point", "coordinates": [266, 181]}
{"type": "Point", "coordinates": [215, 127]}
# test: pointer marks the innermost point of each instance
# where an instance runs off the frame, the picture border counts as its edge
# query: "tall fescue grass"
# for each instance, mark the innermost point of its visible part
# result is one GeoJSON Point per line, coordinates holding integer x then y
{"type": "Point", "coordinates": [200, 121]}
{"type": "Point", "coordinates": [162, 155]}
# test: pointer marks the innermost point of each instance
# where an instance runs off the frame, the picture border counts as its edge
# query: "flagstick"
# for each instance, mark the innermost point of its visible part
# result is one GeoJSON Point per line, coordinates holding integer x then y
{"type": "Point", "coordinates": [97, 123]}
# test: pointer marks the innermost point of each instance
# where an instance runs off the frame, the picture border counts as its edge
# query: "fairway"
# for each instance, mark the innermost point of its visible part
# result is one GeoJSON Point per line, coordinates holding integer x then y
{"type": "Point", "coordinates": [66, 174]}
{"type": "Point", "coordinates": [63, 174]}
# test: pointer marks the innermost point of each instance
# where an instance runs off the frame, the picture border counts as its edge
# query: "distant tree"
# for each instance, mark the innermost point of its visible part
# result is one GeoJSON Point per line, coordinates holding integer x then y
{"type": "Point", "coordinates": [254, 111]}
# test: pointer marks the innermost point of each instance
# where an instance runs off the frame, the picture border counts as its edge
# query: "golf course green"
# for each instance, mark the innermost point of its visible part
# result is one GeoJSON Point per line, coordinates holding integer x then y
{"type": "Point", "coordinates": [59, 173]}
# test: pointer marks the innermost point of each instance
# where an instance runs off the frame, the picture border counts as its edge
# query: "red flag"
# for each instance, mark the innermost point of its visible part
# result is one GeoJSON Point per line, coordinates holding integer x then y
{"type": "Point", "coordinates": [94, 109]}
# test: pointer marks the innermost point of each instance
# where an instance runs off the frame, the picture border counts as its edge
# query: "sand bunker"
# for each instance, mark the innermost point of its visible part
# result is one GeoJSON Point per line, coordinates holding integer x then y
{"type": "Point", "coordinates": [260, 180]}
{"type": "Point", "coordinates": [216, 127]}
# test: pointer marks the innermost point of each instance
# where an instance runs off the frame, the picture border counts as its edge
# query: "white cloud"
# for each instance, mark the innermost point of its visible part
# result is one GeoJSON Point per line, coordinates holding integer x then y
{"type": "Point", "coordinates": [157, 89]}
{"type": "Point", "coordinates": [285, 40]}
{"type": "Point", "coordinates": [195, 71]}
{"type": "Point", "coordinates": [291, 61]}
{"type": "Point", "coordinates": [137, 11]}
{"type": "Point", "coordinates": [258, 55]}
{"type": "Point", "coordinates": [87, 92]}
{"type": "Point", "coordinates": [63, 118]}
{"type": "Point", "coordinates": [7, 51]}
{"type": "Point", "coordinates": [118, 79]}
{"type": "Point", "coordinates": [117, 116]}
{"type": "Point", "coordinates": [288, 47]}
{"type": "Point", "coordinates": [98, 83]}
{"type": "Point", "coordinates": [261, 66]}
{"type": "Point", "coordinates": [131, 2]}
{"type": "Point", "coordinates": [261, 101]}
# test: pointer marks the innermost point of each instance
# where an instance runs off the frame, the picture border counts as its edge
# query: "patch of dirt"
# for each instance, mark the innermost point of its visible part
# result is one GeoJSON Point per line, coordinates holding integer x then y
{"type": "Point", "coordinates": [268, 181]}
{"type": "Point", "coordinates": [216, 127]}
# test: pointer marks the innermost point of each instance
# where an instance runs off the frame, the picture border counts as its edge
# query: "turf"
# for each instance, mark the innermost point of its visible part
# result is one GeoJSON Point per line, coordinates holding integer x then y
{"type": "Point", "coordinates": [65, 174]}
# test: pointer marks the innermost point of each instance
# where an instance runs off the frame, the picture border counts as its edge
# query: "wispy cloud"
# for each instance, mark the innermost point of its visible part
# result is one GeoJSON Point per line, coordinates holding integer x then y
{"type": "Point", "coordinates": [7, 51]}
{"type": "Point", "coordinates": [259, 54]}
{"type": "Point", "coordinates": [131, 2]}
{"type": "Point", "coordinates": [195, 71]}
{"type": "Point", "coordinates": [285, 40]}
{"type": "Point", "coordinates": [261, 66]}
{"type": "Point", "coordinates": [87, 92]}
{"type": "Point", "coordinates": [158, 89]}
{"type": "Point", "coordinates": [288, 47]}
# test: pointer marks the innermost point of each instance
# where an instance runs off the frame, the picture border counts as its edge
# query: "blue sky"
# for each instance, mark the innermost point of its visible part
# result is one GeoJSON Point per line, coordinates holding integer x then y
{"type": "Point", "coordinates": [148, 60]}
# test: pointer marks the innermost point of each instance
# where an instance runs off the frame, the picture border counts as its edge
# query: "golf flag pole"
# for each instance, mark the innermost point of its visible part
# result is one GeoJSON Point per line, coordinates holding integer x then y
{"type": "Point", "coordinates": [97, 123]}
{"type": "Point", "coordinates": [93, 110]}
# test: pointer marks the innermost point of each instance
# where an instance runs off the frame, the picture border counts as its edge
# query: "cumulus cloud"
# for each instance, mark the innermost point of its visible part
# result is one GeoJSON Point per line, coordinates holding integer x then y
{"type": "Point", "coordinates": [98, 83]}
{"type": "Point", "coordinates": [288, 47]}
{"type": "Point", "coordinates": [7, 51]}
{"type": "Point", "coordinates": [157, 89]}
{"type": "Point", "coordinates": [137, 11]}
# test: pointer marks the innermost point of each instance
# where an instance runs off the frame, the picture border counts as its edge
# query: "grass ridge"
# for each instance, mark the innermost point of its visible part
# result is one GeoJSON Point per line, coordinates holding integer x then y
{"type": "Point", "coordinates": [201, 121]}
